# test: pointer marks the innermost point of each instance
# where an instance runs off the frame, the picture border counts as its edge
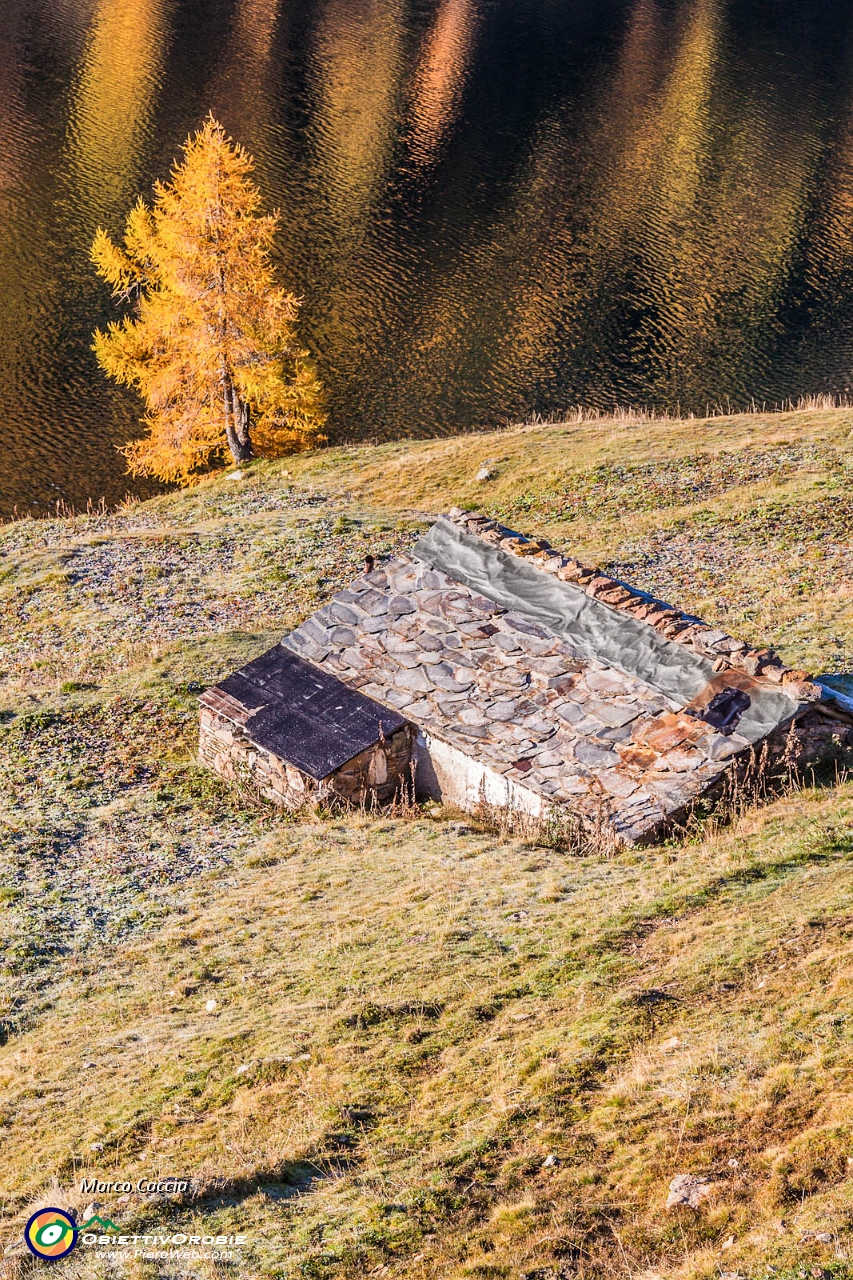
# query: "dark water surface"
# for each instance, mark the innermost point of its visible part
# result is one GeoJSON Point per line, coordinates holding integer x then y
{"type": "Point", "coordinates": [492, 207]}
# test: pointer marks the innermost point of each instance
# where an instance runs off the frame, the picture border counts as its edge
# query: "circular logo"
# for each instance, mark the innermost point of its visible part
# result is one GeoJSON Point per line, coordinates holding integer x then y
{"type": "Point", "coordinates": [50, 1234]}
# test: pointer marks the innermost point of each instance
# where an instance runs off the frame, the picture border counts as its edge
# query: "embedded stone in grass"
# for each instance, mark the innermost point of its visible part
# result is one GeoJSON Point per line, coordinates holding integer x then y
{"type": "Point", "coordinates": [688, 1189]}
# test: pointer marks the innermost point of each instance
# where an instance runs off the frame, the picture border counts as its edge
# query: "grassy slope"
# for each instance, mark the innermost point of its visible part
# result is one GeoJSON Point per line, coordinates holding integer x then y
{"type": "Point", "coordinates": [412, 1015]}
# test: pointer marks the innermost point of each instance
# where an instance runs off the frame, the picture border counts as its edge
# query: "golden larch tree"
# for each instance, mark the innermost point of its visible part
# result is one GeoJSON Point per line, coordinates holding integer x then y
{"type": "Point", "coordinates": [210, 339]}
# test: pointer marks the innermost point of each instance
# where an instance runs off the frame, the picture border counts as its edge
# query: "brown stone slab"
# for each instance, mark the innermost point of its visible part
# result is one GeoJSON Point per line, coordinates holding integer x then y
{"type": "Point", "coordinates": [668, 731]}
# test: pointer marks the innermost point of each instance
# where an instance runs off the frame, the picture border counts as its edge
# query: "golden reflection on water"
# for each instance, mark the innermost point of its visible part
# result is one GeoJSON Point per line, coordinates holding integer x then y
{"type": "Point", "coordinates": [12, 89]}
{"type": "Point", "coordinates": [17, 322]}
{"type": "Point", "coordinates": [440, 76]}
{"type": "Point", "coordinates": [491, 208]}
{"type": "Point", "coordinates": [693, 219]}
{"type": "Point", "coordinates": [253, 32]}
{"type": "Point", "coordinates": [113, 100]}
{"type": "Point", "coordinates": [357, 77]}
{"type": "Point", "coordinates": [701, 195]}
{"type": "Point", "coordinates": [245, 81]}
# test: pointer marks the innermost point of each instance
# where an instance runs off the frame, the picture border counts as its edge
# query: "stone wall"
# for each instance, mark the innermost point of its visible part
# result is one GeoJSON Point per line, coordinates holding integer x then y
{"type": "Point", "coordinates": [226, 747]}
{"type": "Point", "coordinates": [379, 773]}
{"type": "Point", "coordinates": [820, 732]}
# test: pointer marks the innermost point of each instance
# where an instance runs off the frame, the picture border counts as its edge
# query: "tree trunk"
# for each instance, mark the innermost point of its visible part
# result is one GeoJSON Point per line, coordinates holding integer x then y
{"type": "Point", "coordinates": [236, 429]}
{"type": "Point", "coordinates": [243, 424]}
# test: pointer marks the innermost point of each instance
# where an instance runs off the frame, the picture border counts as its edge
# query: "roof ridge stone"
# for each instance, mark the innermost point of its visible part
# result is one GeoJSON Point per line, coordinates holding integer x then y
{"type": "Point", "coordinates": [727, 652]}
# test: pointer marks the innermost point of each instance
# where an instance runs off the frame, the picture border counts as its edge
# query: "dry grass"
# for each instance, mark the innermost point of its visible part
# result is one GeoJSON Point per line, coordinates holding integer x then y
{"type": "Point", "coordinates": [411, 1018]}
{"type": "Point", "coordinates": [438, 1049]}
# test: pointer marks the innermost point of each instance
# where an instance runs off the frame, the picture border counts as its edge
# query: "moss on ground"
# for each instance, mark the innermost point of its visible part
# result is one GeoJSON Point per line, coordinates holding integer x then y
{"type": "Point", "coordinates": [403, 1045]}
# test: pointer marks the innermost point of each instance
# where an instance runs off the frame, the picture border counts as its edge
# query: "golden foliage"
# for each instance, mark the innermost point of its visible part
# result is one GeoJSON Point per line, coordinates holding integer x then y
{"type": "Point", "coordinates": [210, 342]}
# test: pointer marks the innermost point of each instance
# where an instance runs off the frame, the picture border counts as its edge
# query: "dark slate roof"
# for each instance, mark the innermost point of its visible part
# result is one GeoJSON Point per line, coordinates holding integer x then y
{"type": "Point", "coordinates": [306, 716]}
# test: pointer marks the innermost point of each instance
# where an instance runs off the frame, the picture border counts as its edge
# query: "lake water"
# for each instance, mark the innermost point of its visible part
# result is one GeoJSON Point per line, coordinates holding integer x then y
{"type": "Point", "coordinates": [491, 207]}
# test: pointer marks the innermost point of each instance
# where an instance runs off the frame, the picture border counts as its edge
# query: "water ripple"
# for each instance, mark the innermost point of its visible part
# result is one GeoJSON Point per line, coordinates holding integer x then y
{"type": "Point", "coordinates": [491, 207]}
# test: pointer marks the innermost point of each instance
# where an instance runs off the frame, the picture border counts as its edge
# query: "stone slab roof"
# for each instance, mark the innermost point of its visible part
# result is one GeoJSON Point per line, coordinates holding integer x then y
{"type": "Point", "coordinates": [606, 631]}
{"type": "Point", "coordinates": [571, 684]}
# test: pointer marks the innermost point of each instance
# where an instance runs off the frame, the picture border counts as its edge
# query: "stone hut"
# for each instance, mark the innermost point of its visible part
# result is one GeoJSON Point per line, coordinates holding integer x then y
{"type": "Point", "coordinates": [489, 668]}
{"type": "Point", "coordinates": [297, 733]}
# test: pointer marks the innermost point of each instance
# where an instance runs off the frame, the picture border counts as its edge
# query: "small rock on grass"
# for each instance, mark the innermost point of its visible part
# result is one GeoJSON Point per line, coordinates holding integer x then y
{"type": "Point", "coordinates": [688, 1189]}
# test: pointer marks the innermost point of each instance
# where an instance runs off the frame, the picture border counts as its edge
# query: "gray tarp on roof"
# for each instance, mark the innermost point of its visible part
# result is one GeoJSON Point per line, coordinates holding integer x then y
{"type": "Point", "coordinates": [305, 716]}
{"type": "Point", "coordinates": [591, 626]}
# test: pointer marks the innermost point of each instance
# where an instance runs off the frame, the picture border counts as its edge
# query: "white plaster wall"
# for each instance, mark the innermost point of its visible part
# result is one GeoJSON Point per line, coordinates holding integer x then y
{"type": "Point", "coordinates": [446, 773]}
